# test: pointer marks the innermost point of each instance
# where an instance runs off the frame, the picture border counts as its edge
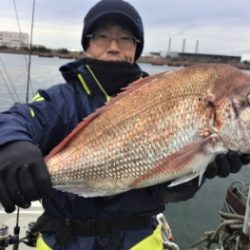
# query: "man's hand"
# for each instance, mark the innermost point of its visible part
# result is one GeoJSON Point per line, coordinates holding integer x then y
{"type": "Point", "coordinates": [225, 164]}
{"type": "Point", "coordinates": [23, 175]}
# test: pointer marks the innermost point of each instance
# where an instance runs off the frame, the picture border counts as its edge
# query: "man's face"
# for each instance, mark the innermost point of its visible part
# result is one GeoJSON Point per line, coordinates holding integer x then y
{"type": "Point", "coordinates": [112, 43]}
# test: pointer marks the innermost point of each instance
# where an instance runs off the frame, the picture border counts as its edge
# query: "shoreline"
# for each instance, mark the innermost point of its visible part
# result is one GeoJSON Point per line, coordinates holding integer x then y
{"type": "Point", "coordinates": [177, 61]}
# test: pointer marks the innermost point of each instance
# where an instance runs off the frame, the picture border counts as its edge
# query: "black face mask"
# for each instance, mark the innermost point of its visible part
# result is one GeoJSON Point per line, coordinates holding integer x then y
{"type": "Point", "coordinates": [114, 75]}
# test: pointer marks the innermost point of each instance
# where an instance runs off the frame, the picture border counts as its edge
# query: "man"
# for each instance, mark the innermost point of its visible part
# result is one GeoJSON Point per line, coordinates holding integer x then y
{"type": "Point", "coordinates": [113, 40]}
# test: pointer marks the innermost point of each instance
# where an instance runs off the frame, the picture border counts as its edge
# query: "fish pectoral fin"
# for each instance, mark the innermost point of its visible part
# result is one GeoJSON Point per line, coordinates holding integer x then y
{"type": "Point", "coordinates": [198, 159]}
{"type": "Point", "coordinates": [183, 179]}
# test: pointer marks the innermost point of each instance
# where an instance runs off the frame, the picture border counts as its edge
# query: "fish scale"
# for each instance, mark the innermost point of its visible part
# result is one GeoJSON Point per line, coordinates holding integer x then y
{"type": "Point", "coordinates": [166, 127]}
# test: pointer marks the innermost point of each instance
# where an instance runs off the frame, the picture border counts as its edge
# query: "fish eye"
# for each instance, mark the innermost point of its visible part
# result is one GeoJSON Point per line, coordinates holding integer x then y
{"type": "Point", "coordinates": [241, 103]}
{"type": "Point", "coordinates": [244, 102]}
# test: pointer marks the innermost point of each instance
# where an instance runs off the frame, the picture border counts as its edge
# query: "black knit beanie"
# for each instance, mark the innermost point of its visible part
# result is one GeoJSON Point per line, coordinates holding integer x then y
{"type": "Point", "coordinates": [114, 8]}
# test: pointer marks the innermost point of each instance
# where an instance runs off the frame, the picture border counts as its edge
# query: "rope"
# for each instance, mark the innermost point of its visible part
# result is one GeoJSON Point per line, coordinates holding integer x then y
{"type": "Point", "coordinates": [7, 86]}
{"type": "Point", "coordinates": [18, 24]}
{"type": "Point", "coordinates": [30, 51]}
{"type": "Point", "coordinates": [228, 232]}
{"type": "Point", "coordinates": [12, 92]}
{"type": "Point", "coordinates": [29, 83]}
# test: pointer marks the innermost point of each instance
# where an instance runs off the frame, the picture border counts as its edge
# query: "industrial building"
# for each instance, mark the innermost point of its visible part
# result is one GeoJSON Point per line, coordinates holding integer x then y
{"type": "Point", "coordinates": [209, 57]}
{"type": "Point", "coordinates": [14, 39]}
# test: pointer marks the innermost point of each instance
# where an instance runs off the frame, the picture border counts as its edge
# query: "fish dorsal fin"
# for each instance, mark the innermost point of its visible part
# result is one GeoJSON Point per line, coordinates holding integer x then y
{"type": "Point", "coordinates": [99, 111]}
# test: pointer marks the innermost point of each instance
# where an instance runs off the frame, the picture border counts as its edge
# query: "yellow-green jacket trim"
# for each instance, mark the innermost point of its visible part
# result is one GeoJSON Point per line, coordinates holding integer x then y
{"type": "Point", "coordinates": [84, 84]}
{"type": "Point", "coordinates": [38, 98]}
{"type": "Point", "coordinates": [99, 84]}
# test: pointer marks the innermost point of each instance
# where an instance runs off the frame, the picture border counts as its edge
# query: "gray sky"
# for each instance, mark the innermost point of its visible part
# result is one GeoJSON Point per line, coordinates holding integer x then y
{"type": "Point", "coordinates": [221, 26]}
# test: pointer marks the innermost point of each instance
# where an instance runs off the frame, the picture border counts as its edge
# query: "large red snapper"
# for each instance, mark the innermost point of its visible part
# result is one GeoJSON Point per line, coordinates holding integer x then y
{"type": "Point", "coordinates": [168, 126]}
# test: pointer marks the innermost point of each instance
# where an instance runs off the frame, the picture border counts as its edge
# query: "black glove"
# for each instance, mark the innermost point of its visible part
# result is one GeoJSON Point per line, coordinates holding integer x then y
{"type": "Point", "coordinates": [225, 164]}
{"type": "Point", "coordinates": [23, 175]}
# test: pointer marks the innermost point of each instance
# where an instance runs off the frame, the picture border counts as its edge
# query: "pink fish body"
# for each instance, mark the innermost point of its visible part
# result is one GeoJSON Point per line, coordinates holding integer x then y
{"type": "Point", "coordinates": [166, 127]}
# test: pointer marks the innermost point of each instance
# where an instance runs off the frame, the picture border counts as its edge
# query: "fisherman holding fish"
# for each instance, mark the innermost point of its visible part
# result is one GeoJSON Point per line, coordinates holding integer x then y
{"type": "Point", "coordinates": [113, 39]}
